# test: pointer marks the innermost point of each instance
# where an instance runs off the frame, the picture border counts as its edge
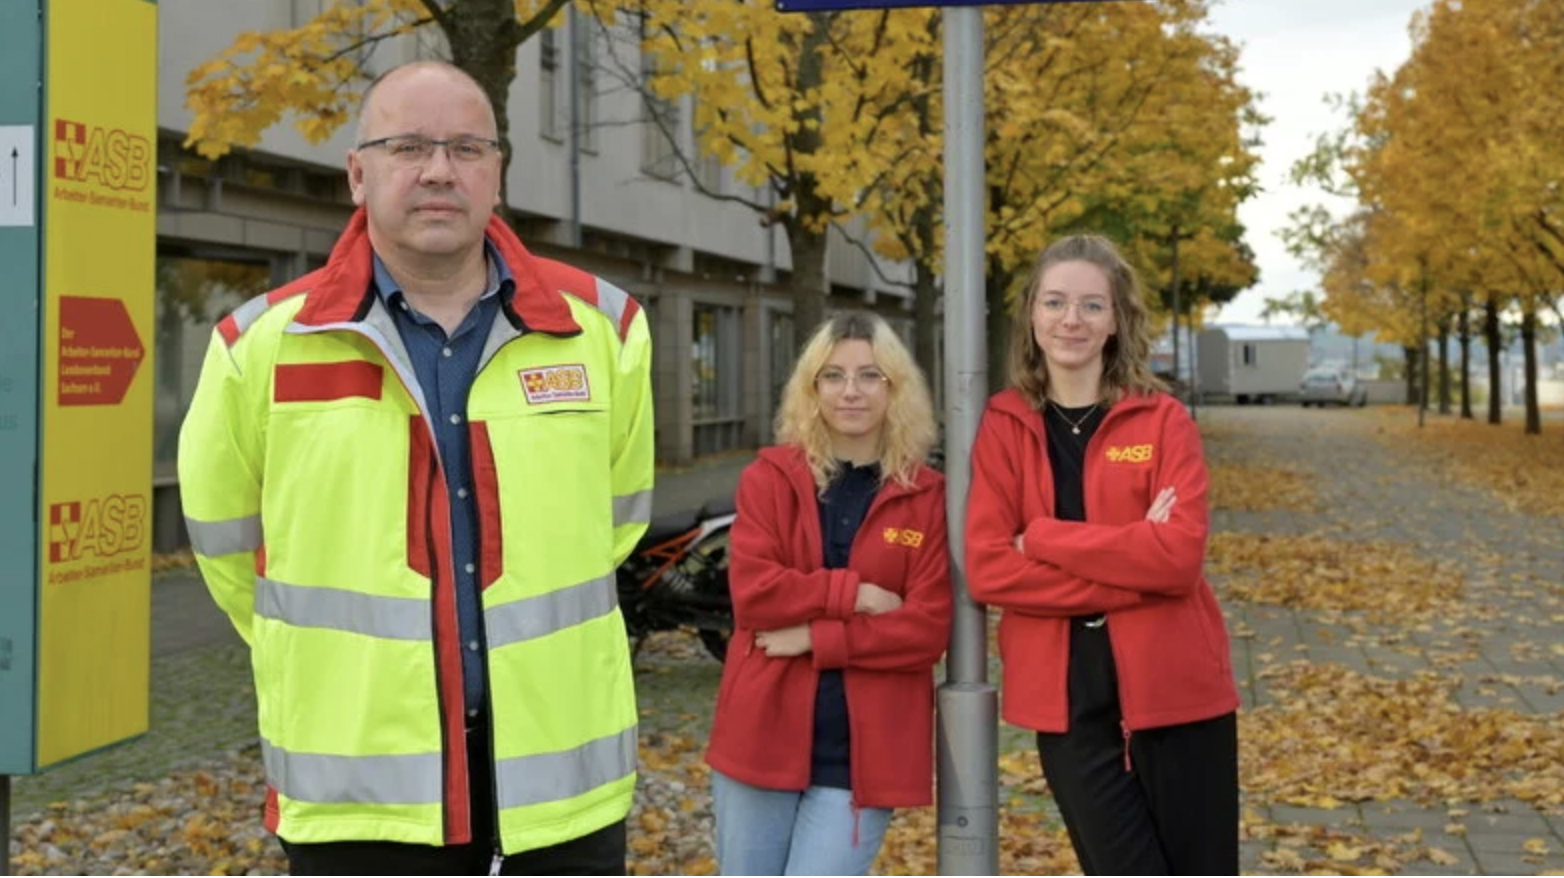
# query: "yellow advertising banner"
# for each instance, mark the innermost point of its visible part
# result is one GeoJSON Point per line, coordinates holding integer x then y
{"type": "Point", "coordinates": [100, 242]}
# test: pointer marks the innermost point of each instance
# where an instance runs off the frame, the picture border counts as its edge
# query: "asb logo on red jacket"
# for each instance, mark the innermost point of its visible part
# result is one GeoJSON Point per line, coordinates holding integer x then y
{"type": "Point", "coordinates": [1130, 453]}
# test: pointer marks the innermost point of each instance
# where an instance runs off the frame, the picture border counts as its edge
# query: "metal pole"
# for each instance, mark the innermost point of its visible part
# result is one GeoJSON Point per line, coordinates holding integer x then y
{"type": "Point", "coordinates": [968, 740]}
{"type": "Point", "coordinates": [1422, 358]}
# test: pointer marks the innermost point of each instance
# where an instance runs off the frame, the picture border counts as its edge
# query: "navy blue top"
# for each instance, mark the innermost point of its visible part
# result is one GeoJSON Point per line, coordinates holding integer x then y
{"type": "Point", "coordinates": [445, 366]}
{"type": "Point", "coordinates": [843, 507]}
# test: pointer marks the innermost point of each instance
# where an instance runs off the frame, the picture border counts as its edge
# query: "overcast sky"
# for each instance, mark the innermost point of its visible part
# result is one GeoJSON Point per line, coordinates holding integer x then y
{"type": "Point", "coordinates": [1295, 52]}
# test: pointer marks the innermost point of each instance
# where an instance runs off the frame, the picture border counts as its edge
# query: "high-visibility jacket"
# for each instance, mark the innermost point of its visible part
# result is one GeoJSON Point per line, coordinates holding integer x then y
{"type": "Point", "coordinates": [319, 514]}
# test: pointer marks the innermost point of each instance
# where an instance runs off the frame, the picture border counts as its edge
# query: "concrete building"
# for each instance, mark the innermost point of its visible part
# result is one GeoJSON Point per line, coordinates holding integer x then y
{"type": "Point", "coordinates": [613, 199]}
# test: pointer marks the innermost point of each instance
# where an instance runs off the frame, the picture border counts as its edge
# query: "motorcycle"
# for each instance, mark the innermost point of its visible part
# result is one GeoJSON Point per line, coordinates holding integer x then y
{"type": "Point", "coordinates": [677, 577]}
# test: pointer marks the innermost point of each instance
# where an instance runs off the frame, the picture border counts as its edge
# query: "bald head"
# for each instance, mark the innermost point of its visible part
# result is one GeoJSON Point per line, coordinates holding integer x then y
{"type": "Point", "coordinates": [422, 75]}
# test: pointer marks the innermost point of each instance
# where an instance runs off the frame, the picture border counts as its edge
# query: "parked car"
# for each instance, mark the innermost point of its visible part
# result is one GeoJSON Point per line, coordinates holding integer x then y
{"type": "Point", "coordinates": [1326, 386]}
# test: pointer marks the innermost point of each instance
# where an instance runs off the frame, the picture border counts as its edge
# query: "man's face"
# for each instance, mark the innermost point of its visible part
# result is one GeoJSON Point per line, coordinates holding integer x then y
{"type": "Point", "coordinates": [432, 205]}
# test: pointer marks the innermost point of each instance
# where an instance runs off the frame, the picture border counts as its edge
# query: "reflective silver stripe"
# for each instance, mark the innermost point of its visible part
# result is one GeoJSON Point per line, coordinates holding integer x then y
{"type": "Point", "coordinates": [413, 779]}
{"type": "Point", "coordinates": [633, 508]}
{"type": "Point", "coordinates": [544, 614]}
{"type": "Point", "coordinates": [342, 610]}
{"type": "Point", "coordinates": [554, 777]}
{"type": "Point", "coordinates": [612, 301]}
{"type": "Point", "coordinates": [215, 539]}
{"type": "Point", "coordinates": [245, 315]}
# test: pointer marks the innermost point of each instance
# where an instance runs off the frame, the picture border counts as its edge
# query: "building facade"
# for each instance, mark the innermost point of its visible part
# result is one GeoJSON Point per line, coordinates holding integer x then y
{"type": "Point", "coordinates": [594, 181]}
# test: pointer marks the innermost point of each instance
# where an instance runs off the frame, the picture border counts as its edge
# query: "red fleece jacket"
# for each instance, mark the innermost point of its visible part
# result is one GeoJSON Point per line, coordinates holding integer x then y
{"type": "Point", "coordinates": [763, 730]}
{"type": "Point", "coordinates": [1169, 641]}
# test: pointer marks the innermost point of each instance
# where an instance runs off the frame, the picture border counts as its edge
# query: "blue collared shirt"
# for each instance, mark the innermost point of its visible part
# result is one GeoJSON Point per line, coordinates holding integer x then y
{"type": "Point", "coordinates": [445, 366]}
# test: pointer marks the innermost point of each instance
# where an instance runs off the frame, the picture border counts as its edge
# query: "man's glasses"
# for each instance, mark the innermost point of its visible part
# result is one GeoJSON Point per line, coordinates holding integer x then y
{"type": "Point", "coordinates": [416, 149]}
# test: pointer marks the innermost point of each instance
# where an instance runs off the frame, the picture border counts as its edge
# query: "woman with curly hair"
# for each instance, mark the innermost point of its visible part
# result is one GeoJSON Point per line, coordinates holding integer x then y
{"type": "Point", "coordinates": [841, 601]}
{"type": "Point", "coordinates": [1087, 525]}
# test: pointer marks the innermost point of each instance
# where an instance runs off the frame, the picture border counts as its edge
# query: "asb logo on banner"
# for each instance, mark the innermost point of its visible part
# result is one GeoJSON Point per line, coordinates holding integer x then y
{"type": "Point", "coordinates": [109, 157]}
{"type": "Point", "coordinates": [98, 528]}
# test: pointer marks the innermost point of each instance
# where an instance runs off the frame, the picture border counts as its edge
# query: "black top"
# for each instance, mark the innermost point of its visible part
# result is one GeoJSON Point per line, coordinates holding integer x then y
{"type": "Point", "coordinates": [1068, 430]}
{"type": "Point", "coordinates": [843, 507]}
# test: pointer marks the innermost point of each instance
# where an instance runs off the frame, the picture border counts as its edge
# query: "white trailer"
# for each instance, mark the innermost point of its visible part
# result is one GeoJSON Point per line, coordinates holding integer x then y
{"type": "Point", "coordinates": [1251, 363]}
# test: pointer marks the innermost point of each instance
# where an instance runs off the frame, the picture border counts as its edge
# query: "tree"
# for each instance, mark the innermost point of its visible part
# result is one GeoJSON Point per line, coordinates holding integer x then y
{"type": "Point", "coordinates": [316, 72]}
{"type": "Point", "coordinates": [792, 102]}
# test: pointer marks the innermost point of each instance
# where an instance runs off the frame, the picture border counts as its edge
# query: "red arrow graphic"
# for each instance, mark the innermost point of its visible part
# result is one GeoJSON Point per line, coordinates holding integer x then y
{"type": "Point", "coordinates": [99, 351]}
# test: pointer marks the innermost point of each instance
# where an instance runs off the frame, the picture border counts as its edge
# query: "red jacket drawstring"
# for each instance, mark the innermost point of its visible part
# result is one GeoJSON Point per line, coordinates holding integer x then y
{"type": "Point", "coordinates": [1127, 766]}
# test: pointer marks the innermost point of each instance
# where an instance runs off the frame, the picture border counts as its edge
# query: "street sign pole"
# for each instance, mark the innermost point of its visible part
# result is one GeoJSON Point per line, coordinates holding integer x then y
{"type": "Point", "coordinates": [968, 740]}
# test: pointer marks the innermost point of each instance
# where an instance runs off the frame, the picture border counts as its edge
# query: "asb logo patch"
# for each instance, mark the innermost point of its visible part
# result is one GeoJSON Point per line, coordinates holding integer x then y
{"type": "Point", "coordinates": [903, 536]}
{"type": "Point", "coordinates": [555, 384]}
{"type": "Point", "coordinates": [1130, 453]}
{"type": "Point", "coordinates": [102, 526]}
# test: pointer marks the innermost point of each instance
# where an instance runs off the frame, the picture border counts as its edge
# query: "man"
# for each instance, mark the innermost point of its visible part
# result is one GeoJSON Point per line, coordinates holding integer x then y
{"type": "Point", "coordinates": [409, 477]}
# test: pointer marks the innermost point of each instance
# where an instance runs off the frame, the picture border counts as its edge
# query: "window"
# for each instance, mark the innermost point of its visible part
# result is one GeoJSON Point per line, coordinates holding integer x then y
{"type": "Point", "coordinates": [708, 168]}
{"type": "Point", "coordinates": [550, 84]}
{"type": "Point", "coordinates": [659, 153]}
{"type": "Point", "coordinates": [193, 293]}
{"type": "Point", "coordinates": [715, 376]}
{"type": "Point", "coordinates": [1250, 355]}
{"type": "Point", "coordinates": [782, 355]}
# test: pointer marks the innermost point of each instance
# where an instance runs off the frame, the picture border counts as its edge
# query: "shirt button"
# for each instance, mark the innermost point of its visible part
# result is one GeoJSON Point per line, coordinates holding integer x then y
{"type": "Point", "coordinates": [471, 568]}
{"type": "Point", "coordinates": [473, 712]}
{"type": "Point", "coordinates": [472, 645]}
{"type": "Point", "coordinates": [462, 493]}
{"type": "Point", "coordinates": [456, 419]}
{"type": "Point", "coordinates": [445, 352]}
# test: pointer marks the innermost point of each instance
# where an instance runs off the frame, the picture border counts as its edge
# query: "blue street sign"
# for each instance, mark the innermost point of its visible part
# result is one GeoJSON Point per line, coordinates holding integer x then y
{"type": "Point", "coordinates": [831, 5]}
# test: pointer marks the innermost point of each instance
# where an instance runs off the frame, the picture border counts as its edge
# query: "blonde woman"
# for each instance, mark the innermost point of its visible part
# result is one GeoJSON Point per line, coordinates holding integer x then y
{"type": "Point", "coordinates": [1087, 525]}
{"type": "Point", "coordinates": [841, 598]}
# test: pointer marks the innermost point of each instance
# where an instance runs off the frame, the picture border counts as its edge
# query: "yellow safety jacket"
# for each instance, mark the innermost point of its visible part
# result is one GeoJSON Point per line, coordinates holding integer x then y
{"type": "Point", "coordinates": [317, 508]}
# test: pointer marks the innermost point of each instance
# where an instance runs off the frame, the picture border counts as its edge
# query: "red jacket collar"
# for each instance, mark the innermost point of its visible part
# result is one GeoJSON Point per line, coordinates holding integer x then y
{"type": "Point", "coordinates": [343, 285]}
{"type": "Point", "coordinates": [793, 464]}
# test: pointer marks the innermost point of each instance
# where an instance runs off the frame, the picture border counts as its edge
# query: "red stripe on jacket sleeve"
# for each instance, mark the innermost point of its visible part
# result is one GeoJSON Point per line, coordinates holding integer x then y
{"type": "Point", "coordinates": [228, 328]}
{"type": "Point", "coordinates": [322, 382]}
{"type": "Point", "coordinates": [486, 487]}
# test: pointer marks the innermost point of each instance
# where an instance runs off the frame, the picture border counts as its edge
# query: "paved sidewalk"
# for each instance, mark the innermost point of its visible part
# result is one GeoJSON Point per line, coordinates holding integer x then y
{"type": "Point", "coordinates": [1496, 648]}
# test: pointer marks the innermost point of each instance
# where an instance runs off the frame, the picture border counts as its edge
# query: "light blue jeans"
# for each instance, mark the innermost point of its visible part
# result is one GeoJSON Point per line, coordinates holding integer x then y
{"type": "Point", "coordinates": [782, 832]}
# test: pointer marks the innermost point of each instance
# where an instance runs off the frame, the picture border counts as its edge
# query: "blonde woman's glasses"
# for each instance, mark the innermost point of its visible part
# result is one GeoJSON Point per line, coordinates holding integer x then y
{"type": "Point", "coordinates": [867, 380]}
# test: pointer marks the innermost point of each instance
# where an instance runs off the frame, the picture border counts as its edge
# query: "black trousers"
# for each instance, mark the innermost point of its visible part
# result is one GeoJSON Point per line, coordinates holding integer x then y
{"type": "Point", "coordinates": [1174, 811]}
{"type": "Point", "coordinates": [597, 853]}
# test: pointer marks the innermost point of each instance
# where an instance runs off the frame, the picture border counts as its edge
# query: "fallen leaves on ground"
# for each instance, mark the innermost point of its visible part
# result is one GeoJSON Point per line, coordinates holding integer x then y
{"type": "Point", "coordinates": [1331, 850]}
{"type": "Point", "coordinates": [1525, 472]}
{"type": "Point", "coordinates": [180, 560]}
{"type": "Point", "coordinates": [1388, 581]}
{"type": "Point", "coordinates": [1328, 735]}
{"type": "Point", "coordinates": [1252, 488]}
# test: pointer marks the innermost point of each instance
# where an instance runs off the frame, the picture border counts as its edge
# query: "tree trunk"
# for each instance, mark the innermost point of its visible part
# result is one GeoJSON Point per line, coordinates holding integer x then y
{"type": "Point", "coordinates": [1464, 328]}
{"type": "Point", "coordinates": [809, 283]}
{"type": "Point", "coordinates": [483, 36]}
{"type": "Point", "coordinates": [1491, 336]}
{"type": "Point", "coordinates": [1529, 349]}
{"type": "Point", "coordinates": [811, 210]}
{"type": "Point", "coordinates": [925, 298]}
{"type": "Point", "coordinates": [1444, 365]}
{"type": "Point", "coordinates": [997, 282]}
{"type": "Point", "coordinates": [1414, 367]}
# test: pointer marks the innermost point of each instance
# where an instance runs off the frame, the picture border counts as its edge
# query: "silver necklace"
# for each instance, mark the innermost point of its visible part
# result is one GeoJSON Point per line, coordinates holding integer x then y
{"type": "Point", "coordinates": [1075, 426]}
